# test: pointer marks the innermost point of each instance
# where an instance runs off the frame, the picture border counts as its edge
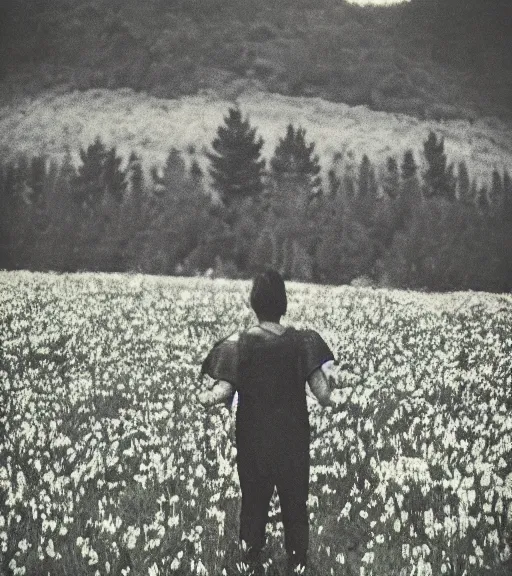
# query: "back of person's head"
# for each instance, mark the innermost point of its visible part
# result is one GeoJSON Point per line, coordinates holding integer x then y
{"type": "Point", "coordinates": [268, 295]}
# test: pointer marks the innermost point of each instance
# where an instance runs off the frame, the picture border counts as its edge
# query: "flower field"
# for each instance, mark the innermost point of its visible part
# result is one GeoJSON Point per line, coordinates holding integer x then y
{"type": "Point", "coordinates": [108, 465]}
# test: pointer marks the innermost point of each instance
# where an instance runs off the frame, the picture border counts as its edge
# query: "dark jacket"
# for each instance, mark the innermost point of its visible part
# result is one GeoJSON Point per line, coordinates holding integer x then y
{"type": "Point", "coordinates": [269, 372]}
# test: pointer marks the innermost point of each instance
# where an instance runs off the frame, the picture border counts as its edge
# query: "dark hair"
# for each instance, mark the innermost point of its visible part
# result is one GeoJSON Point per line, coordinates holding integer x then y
{"type": "Point", "coordinates": [268, 295]}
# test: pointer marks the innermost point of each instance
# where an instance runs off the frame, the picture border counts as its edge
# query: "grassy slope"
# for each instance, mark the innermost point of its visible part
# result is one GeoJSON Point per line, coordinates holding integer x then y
{"type": "Point", "coordinates": [150, 125]}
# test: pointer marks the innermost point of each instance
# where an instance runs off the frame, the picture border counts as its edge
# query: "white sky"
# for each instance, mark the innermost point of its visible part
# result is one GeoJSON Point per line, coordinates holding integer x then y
{"type": "Point", "coordinates": [376, 2]}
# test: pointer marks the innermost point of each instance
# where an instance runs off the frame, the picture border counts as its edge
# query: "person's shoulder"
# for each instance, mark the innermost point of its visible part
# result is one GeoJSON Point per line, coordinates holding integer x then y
{"type": "Point", "coordinates": [227, 340]}
{"type": "Point", "coordinates": [314, 345]}
{"type": "Point", "coordinates": [308, 334]}
{"type": "Point", "coordinates": [306, 330]}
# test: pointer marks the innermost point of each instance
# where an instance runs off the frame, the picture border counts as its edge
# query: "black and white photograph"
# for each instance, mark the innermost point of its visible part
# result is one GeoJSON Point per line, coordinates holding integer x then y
{"type": "Point", "coordinates": [255, 287]}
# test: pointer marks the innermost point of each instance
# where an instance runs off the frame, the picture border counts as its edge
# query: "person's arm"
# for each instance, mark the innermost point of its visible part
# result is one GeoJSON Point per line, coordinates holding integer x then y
{"type": "Point", "coordinates": [221, 363]}
{"type": "Point", "coordinates": [321, 383]}
{"type": "Point", "coordinates": [221, 393]}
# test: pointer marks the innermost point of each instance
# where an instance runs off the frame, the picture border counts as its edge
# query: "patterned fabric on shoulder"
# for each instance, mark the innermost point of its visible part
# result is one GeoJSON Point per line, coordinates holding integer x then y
{"type": "Point", "coordinates": [315, 351]}
{"type": "Point", "coordinates": [221, 363]}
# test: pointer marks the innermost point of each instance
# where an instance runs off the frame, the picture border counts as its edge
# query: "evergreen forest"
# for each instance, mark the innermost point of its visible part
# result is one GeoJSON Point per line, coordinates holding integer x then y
{"type": "Point", "coordinates": [415, 222]}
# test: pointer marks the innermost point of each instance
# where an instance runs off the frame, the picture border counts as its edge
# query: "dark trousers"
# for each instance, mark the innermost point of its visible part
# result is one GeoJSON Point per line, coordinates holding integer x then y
{"type": "Point", "coordinates": [292, 482]}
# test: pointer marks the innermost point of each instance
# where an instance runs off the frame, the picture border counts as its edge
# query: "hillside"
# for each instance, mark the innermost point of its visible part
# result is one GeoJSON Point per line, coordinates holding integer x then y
{"type": "Point", "coordinates": [151, 126]}
{"type": "Point", "coordinates": [426, 58]}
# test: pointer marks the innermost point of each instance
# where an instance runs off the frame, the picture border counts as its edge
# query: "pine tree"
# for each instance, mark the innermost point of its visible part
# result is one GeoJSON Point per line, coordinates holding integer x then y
{"type": "Point", "coordinates": [301, 267]}
{"type": "Point", "coordinates": [50, 246]}
{"type": "Point", "coordinates": [438, 177]}
{"type": "Point", "coordinates": [296, 199]}
{"type": "Point", "coordinates": [482, 198]}
{"type": "Point", "coordinates": [66, 217]}
{"type": "Point", "coordinates": [346, 251]}
{"type": "Point", "coordinates": [99, 174]}
{"type": "Point", "coordinates": [295, 162]}
{"type": "Point", "coordinates": [473, 192]}
{"type": "Point", "coordinates": [334, 184]}
{"type": "Point", "coordinates": [464, 188]}
{"type": "Point", "coordinates": [332, 199]}
{"type": "Point", "coordinates": [7, 176]}
{"type": "Point", "coordinates": [236, 167]}
{"type": "Point", "coordinates": [114, 178]}
{"type": "Point", "coordinates": [507, 196]}
{"type": "Point", "coordinates": [366, 176]}
{"type": "Point", "coordinates": [174, 173]}
{"type": "Point", "coordinates": [38, 217]}
{"type": "Point", "coordinates": [18, 211]}
{"type": "Point", "coordinates": [507, 220]}
{"type": "Point", "coordinates": [410, 198]}
{"type": "Point", "coordinates": [264, 252]}
{"type": "Point", "coordinates": [99, 187]}
{"type": "Point", "coordinates": [37, 179]}
{"type": "Point", "coordinates": [409, 167]}
{"type": "Point", "coordinates": [67, 172]}
{"type": "Point", "coordinates": [365, 201]}
{"type": "Point", "coordinates": [349, 179]}
{"type": "Point", "coordinates": [392, 178]}
{"type": "Point", "coordinates": [496, 195]}
{"type": "Point", "coordinates": [89, 182]}
{"type": "Point", "coordinates": [136, 176]}
{"type": "Point", "coordinates": [196, 173]}
{"type": "Point", "coordinates": [386, 220]}
{"type": "Point", "coordinates": [134, 213]}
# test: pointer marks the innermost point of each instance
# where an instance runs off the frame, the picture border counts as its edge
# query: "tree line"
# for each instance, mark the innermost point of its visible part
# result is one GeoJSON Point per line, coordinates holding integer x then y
{"type": "Point", "coordinates": [408, 224]}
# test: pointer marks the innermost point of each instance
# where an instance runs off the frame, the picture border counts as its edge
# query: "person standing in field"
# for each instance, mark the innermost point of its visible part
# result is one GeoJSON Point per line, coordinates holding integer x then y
{"type": "Point", "coordinates": [268, 365]}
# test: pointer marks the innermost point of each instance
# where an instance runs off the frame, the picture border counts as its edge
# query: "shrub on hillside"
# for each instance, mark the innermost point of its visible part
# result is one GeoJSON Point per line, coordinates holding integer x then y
{"type": "Point", "coordinates": [329, 43]}
{"type": "Point", "coordinates": [168, 78]}
{"type": "Point", "coordinates": [137, 70]}
{"type": "Point", "coordinates": [176, 41]}
{"type": "Point", "coordinates": [396, 85]}
{"type": "Point", "coordinates": [412, 106]}
{"type": "Point", "coordinates": [358, 95]}
{"type": "Point", "coordinates": [319, 76]}
{"type": "Point", "coordinates": [261, 32]}
{"type": "Point", "coordinates": [362, 282]}
{"type": "Point", "coordinates": [445, 112]}
{"type": "Point", "coordinates": [264, 68]}
{"type": "Point", "coordinates": [355, 34]}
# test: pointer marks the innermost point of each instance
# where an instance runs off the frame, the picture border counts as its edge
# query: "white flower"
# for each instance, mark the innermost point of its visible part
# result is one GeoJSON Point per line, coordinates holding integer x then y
{"type": "Point", "coordinates": [50, 550]}
{"type": "Point", "coordinates": [200, 471]}
{"type": "Point", "coordinates": [23, 545]}
{"type": "Point", "coordinates": [93, 557]}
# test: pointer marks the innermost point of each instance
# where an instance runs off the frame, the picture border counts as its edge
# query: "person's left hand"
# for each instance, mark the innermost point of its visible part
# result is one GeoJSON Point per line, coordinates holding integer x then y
{"type": "Point", "coordinates": [203, 398]}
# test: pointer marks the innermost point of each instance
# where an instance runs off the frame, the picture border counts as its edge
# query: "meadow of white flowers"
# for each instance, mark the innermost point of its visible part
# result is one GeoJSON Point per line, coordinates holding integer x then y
{"type": "Point", "coordinates": [109, 466]}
